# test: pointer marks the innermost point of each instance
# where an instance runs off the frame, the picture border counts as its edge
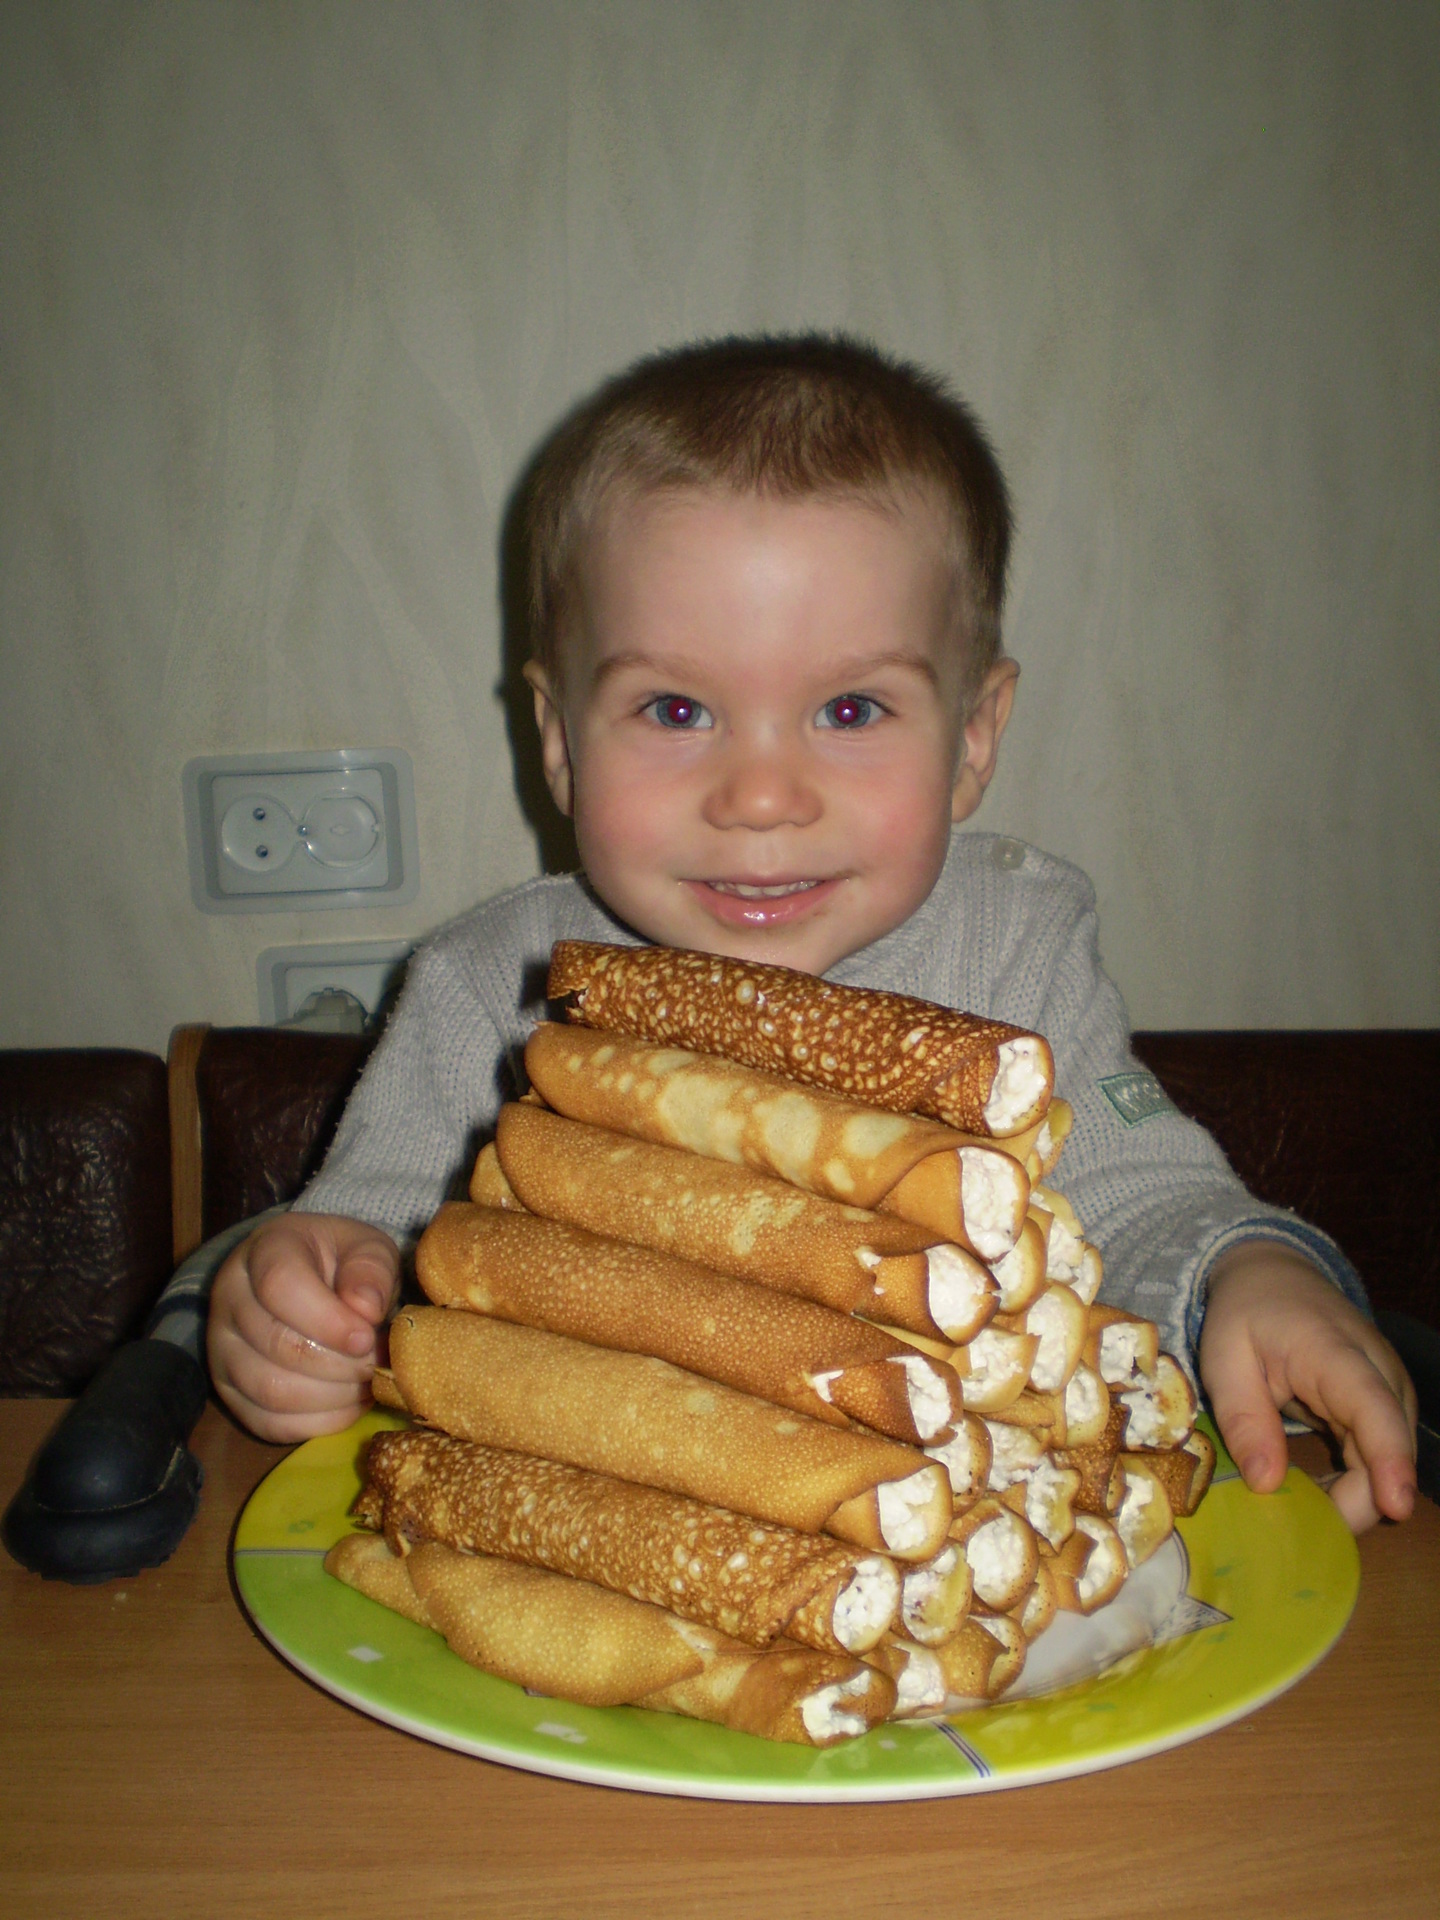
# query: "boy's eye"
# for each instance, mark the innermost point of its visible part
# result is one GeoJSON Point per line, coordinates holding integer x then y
{"type": "Point", "coordinates": [676, 710]}
{"type": "Point", "coordinates": [848, 711]}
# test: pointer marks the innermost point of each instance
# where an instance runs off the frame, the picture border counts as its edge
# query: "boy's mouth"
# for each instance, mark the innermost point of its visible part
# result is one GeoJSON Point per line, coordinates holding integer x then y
{"type": "Point", "coordinates": [775, 891]}
{"type": "Point", "coordinates": [748, 903]}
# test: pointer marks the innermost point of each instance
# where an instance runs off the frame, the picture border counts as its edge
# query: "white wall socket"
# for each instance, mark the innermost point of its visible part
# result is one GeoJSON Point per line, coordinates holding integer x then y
{"type": "Point", "coordinates": [336, 828]}
{"type": "Point", "coordinates": [288, 976]}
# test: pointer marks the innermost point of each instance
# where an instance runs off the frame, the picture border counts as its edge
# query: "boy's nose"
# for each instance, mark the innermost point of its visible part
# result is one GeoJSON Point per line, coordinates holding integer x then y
{"type": "Point", "coordinates": [759, 789]}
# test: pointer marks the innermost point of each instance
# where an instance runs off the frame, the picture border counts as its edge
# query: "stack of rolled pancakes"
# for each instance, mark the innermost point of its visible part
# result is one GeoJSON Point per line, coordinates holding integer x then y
{"type": "Point", "coordinates": [765, 1379]}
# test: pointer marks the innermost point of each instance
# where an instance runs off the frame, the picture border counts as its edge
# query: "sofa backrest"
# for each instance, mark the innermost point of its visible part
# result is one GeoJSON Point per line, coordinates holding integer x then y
{"type": "Point", "coordinates": [84, 1210]}
{"type": "Point", "coordinates": [1340, 1126]}
{"type": "Point", "coordinates": [1343, 1127]}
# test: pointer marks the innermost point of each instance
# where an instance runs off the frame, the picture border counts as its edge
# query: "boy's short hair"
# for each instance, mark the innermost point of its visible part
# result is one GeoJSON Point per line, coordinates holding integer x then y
{"type": "Point", "coordinates": [790, 415]}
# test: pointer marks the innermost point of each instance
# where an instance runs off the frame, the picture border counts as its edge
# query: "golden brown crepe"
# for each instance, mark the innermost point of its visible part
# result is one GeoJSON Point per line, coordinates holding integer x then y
{"type": "Point", "coordinates": [1185, 1472]}
{"type": "Point", "coordinates": [488, 1185]}
{"type": "Point", "coordinates": [573, 1641]}
{"type": "Point", "coordinates": [972, 1196]}
{"type": "Point", "coordinates": [886, 1049]}
{"type": "Point", "coordinates": [744, 1578]}
{"type": "Point", "coordinates": [793, 1352]}
{"type": "Point", "coordinates": [645, 1420]}
{"type": "Point", "coordinates": [738, 1221]}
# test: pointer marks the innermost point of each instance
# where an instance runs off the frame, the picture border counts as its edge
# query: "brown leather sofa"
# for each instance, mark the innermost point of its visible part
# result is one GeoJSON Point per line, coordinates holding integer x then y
{"type": "Point", "coordinates": [112, 1168]}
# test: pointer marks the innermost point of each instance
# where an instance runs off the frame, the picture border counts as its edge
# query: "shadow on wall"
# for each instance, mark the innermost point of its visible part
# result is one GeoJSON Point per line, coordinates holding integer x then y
{"type": "Point", "coordinates": [554, 836]}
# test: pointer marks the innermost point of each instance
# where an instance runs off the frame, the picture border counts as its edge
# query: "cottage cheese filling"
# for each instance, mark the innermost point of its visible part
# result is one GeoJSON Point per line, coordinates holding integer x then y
{"type": "Point", "coordinates": [956, 1290]}
{"type": "Point", "coordinates": [920, 1684]}
{"type": "Point", "coordinates": [988, 1199]}
{"type": "Point", "coordinates": [928, 1395]}
{"type": "Point", "coordinates": [824, 1712]}
{"type": "Point", "coordinates": [996, 1553]}
{"type": "Point", "coordinates": [963, 1458]}
{"type": "Point", "coordinates": [866, 1604]}
{"type": "Point", "coordinates": [903, 1506]}
{"type": "Point", "coordinates": [1019, 1084]}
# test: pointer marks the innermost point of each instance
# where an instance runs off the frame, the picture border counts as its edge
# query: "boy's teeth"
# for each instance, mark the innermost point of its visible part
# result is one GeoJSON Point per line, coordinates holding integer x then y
{"type": "Point", "coordinates": [762, 893]}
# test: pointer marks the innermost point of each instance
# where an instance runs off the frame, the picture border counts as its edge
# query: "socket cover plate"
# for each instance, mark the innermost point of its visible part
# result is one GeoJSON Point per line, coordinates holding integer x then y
{"type": "Point", "coordinates": [271, 832]}
{"type": "Point", "coordinates": [287, 976]}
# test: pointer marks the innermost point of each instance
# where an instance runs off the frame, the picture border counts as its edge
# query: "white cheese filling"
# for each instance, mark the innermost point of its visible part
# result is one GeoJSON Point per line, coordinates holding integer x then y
{"type": "Point", "coordinates": [920, 1684]}
{"type": "Point", "coordinates": [922, 1588]}
{"type": "Point", "coordinates": [1103, 1563]}
{"type": "Point", "coordinates": [993, 1360]}
{"type": "Point", "coordinates": [1012, 1273]}
{"type": "Point", "coordinates": [1140, 1490]}
{"type": "Point", "coordinates": [1064, 1253]}
{"type": "Point", "coordinates": [1048, 1494]}
{"type": "Point", "coordinates": [1120, 1351]}
{"type": "Point", "coordinates": [1019, 1085]}
{"type": "Point", "coordinates": [996, 1553]}
{"type": "Point", "coordinates": [990, 1199]}
{"type": "Point", "coordinates": [963, 1458]}
{"type": "Point", "coordinates": [929, 1397]}
{"type": "Point", "coordinates": [866, 1604]}
{"type": "Point", "coordinates": [904, 1506]}
{"type": "Point", "coordinates": [956, 1290]}
{"type": "Point", "coordinates": [1086, 1401]}
{"type": "Point", "coordinates": [1087, 1281]}
{"type": "Point", "coordinates": [824, 1712]}
{"type": "Point", "coordinates": [1014, 1452]}
{"type": "Point", "coordinates": [1046, 1320]}
{"type": "Point", "coordinates": [1146, 1425]}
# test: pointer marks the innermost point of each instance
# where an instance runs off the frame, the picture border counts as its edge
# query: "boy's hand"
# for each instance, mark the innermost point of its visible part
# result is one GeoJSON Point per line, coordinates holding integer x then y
{"type": "Point", "coordinates": [1277, 1335]}
{"type": "Point", "coordinates": [295, 1319]}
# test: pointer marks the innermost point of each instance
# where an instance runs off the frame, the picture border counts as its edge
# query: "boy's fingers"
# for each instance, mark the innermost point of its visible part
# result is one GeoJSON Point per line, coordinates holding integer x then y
{"type": "Point", "coordinates": [291, 1351]}
{"type": "Point", "coordinates": [1245, 1412]}
{"type": "Point", "coordinates": [293, 1272]}
{"type": "Point", "coordinates": [1374, 1420]}
{"type": "Point", "coordinates": [278, 1404]}
{"type": "Point", "coordinates": [289, 1427]}
{"type": "Point", "coordinates": [368, 1281]}
{"type": "Point", "coordinates": [1352, 1495]}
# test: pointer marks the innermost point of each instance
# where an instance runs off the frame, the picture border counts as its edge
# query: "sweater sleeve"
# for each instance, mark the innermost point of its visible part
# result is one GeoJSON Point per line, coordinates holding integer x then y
{"type": "Point", "coordinates": [1152, 1189]}
{"type": "Point", "coordinates": [426, 1100]}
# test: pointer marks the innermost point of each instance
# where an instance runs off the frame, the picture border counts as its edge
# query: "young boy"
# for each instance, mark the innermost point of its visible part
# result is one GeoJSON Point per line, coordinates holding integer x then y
{"type": "Point", "coordinates": [766, 580]}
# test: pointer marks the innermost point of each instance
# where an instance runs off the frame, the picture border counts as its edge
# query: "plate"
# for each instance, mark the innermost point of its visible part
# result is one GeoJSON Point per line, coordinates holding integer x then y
{"type": "Point", "coordinates": [1252, 1594]}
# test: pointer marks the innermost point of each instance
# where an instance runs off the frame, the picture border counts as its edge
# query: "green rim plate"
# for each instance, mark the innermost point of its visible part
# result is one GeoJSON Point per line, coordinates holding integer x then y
{"type": "Point", "coordinates": [1269, 1586]}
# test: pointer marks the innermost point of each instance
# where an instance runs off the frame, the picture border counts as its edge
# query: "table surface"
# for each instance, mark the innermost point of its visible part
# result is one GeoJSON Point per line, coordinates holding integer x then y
{"type": "Point", "coordinates": [160, 1759]}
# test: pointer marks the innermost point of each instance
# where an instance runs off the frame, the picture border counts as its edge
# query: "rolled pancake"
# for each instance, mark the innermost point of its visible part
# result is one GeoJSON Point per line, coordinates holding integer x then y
{"type": "Point", "coordinates": [973, 1196]}
{"type": "Point", "coordinates": [1160, 1407]}
{"type": "Point", "coordinates": [1186, 1472]}
{"type": "Point", "coordinates": [738, 1221]}
{"type": "Point", "coordinates": [645, 1420]}
{"type": "Point", "coordinates": [1121, 1347]}
{"type": "Point", "coordinates": [570, 1640]}
{"type": "Point", "coordinates": [1057, 1318]}
{"type": "Point", "coordinates": [885, 1049]}
{"type": "Point", "coordinates": [488, 1185]}
{"type": "Point", "coordinates": [748, 1580]}
{"type": "Point", "coordinates": [829, 1365]}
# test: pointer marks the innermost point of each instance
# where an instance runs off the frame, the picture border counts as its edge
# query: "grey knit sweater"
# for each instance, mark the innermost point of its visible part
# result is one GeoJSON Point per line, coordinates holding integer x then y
{"type": "Point", "coordinates": [1008, 931]}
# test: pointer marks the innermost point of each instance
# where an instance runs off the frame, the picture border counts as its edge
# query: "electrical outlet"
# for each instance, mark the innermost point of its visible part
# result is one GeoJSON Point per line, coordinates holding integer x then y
{"type": "Point", "coordinates": [289, 976]}
{"type": "Point", "coordinates": [270, 831]}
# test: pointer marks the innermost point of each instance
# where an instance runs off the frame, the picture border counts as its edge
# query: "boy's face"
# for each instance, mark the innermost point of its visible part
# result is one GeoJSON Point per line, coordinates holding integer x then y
{"type": "Point", "coordinates": [761, 735]}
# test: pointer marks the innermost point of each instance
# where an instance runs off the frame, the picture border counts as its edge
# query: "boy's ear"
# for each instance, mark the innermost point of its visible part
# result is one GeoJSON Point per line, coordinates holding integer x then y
{"type": "Point", "coordinates": [980, 745]}
{"type": "Point", "coordinates": [554, 748]}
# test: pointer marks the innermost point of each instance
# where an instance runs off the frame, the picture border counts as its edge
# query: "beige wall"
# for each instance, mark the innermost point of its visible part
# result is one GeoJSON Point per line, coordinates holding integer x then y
{"type": "Point", "coordinates": [289, 291]}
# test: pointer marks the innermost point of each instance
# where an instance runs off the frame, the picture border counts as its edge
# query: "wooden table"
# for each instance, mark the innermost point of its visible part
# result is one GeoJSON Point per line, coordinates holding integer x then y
{"type": "Point", "coordinates": [158, 1759]}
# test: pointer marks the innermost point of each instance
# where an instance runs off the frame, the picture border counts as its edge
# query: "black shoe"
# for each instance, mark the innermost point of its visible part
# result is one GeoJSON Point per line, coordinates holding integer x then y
{"type": "Point", "coordinates": [114, 1488]}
